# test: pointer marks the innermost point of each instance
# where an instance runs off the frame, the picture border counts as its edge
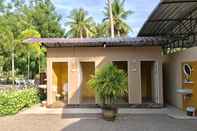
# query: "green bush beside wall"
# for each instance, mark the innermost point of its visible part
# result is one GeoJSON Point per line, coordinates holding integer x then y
{"type": "Point", "coordinates": [14, 100]}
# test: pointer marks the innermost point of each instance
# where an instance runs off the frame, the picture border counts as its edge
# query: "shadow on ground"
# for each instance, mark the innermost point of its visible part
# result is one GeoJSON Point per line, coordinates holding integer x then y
{"type": "Point", "coordinates": [131, 123]}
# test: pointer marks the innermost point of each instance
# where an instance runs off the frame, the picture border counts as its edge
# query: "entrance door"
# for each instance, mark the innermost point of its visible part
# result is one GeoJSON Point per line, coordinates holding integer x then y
{"type": "Point", "coordinates": [122, 65]}
{"type": "Point", "coordinates": [149, 81]}
{"type": "Point", "coordinates": [60, 82]}
{"type": "Point", "coordinates": [87, 94]}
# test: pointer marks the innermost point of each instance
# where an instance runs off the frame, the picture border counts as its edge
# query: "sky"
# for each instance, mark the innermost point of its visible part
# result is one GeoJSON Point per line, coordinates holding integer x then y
{"type": "Point", "coordinates": [141, 8]}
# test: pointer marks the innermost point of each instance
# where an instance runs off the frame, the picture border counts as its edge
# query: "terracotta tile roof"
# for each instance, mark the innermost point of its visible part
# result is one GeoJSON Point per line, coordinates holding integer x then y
{"type": "Point", "coordinates": [98, 42]}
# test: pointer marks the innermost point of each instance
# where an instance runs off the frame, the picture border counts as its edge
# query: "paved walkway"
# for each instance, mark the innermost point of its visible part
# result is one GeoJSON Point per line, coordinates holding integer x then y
{"type": "Point", "coordinates": [169, 110]}
{"type": "Point", "coordinates": [148, 122]}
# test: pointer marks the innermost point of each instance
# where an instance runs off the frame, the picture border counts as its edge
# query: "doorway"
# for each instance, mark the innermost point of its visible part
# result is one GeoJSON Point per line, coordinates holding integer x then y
{"type": "Point", "coordinates": [148, 81]}
{"type": "Point", "coordinates": [87, 94]}
{"type": "Point", "coordinates": [122, 65]}
{"type": "Point", "coordinates": [60, 83]}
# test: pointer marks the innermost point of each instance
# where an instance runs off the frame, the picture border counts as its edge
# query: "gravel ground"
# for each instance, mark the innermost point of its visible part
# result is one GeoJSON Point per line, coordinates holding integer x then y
{"type": "Point", "coordinates": [123, 123]}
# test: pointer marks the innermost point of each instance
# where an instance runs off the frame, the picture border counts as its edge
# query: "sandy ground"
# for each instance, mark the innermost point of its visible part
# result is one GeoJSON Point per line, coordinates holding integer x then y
{"type": "Point", "coordinates": [152, 122]}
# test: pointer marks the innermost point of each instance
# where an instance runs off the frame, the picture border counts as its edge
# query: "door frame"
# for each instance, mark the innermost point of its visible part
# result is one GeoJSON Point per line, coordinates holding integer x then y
{"type": "Point", "coordinates": [158, 90]}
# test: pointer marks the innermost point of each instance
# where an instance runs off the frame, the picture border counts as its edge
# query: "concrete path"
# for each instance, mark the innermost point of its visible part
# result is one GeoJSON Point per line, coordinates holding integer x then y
{"type": "Point", "coordinates": [151, 122]}
{"type": "Point", "coordinates": [169, 110]}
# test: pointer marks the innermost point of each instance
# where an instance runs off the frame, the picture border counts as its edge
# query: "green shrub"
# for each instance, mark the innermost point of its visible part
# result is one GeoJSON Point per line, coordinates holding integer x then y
{"type": "Point", "coordinates": [14, 100]}
{"type": "Point", "coordinates": [109, 83]}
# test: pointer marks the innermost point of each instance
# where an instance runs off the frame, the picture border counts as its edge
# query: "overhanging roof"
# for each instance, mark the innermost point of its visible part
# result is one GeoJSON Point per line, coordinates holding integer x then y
{"type": "Point", "coordinates": [98, 42]}
{"type": "Point", "coordinates": [167, 15]}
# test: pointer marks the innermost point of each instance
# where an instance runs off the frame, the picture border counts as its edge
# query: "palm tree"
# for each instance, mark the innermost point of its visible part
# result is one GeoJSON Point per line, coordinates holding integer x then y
{"type": "Point", "coordinates": [101, 30]}
{"type": "Point", "coordinates": [80, 24]}
{"type": "Point", "coordinates": [120, 14]}
{"type": "Point", "coordinates": [110, 14]}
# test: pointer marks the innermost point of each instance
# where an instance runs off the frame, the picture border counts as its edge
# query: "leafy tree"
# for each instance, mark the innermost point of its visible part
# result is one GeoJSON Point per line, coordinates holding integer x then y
{"type": "Point", "coordinates": [34, 51]}
{"type": "Point", "coordinates": [101, 30]}
{"type": "Point", "coordinates": [80, 24]}
{"type": "Point", "coordinates": [2, 5]}
{"type": "Point", "coordinates": [21, 19]}
{"type": "Point", "coordinates": [8, 44]}
{"type": "Point", "coordinates": [120, 14]}
{"type": "Point", "coordinates": [42, 15]}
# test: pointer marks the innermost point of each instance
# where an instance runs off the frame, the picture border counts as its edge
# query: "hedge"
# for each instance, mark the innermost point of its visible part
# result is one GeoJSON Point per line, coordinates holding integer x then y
{"type": "Point", "coordinates": [13, 101]}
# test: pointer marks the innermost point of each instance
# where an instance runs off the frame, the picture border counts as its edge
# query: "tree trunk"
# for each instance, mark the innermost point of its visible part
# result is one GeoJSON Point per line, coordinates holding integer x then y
{"type": "Point", "coordinates": [87, 34]}
{"type": "Point", "coordinates": [111, 18]}
{"type": "Point", "coordinates": [118, 33]}
{"type": "Point", "coordinates": [39, 64]}
{"type": "Point", "coordinates": [81, 35]}
{"type": "Point", "coordinates": [28, 65]}
{"type": "Point", "coordinates": [13, 69]}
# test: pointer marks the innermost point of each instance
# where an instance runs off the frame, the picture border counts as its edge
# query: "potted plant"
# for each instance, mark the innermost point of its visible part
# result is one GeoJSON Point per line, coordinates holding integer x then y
{"type": "Point", "coordinates": [109, 83]}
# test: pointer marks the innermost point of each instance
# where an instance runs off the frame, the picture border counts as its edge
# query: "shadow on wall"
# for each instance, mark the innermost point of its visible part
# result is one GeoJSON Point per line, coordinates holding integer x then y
{"type": "Point", "coordinates": [167, 77]}
{"type": "Point", "coordinates": [164, 83]}
{"type": "Point", "coordinates": [171, 75]}
{"type": "Point", "coordinates": [167, 80]}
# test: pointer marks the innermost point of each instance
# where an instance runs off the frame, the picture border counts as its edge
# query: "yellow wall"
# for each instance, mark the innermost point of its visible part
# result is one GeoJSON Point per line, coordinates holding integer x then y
{"type": "Point", "coordinates": [88, 69]}
{"type": "Point", "coordinates": [101, 56]}
{"type": "Point", "coordinates": [60, 76]}
{"type": "Point", "coordinates": [193, 86]}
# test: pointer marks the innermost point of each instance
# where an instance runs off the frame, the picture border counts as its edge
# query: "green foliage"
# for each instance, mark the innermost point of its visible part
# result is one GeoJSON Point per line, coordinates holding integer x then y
{"type": "Point", "coordinates": [2, 5]}
{"type": "Point", "coordinates": [109, 83]}
{"type": "Point", "coordinates": [13, 101]}
{"type": "Point", "coordinates": [20, 19]}
{"type": "Point", "coordinates": [43, 17]}
{"type": "Point", "coordinates": [102, 30]}
{"type": "Point", "coordinates": [120, 14]}
{"type": "Point", "coordinates": [80, 24]}
{"type": "Point", "coordinates": [33, 52]}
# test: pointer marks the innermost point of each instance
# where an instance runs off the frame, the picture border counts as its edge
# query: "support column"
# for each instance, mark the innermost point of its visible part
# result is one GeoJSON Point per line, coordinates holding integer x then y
{"type": "Point", "coordinates": [49, 82]}
{"type": "Point", "coordinates": [161, 97]}
{"type": "Point", "coordinates": [158, 85]}
{"type": "Point", "coordinates": [74, 81]}
{"type": "Point", "coordinates": [134, 82]}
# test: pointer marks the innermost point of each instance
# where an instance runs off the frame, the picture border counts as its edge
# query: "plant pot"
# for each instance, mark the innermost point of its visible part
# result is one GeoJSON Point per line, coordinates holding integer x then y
{"type": "Point", "coordinates": [58, 96]}
{"type": "Point", "coordinates": [109, 114]}
{"type": "Point", "coordinates": [44, 104]}
{"type": "Point", "coordinates": [190, 111]}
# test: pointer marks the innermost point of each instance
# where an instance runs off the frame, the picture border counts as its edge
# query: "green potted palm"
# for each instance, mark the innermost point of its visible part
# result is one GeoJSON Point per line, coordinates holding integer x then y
{"type": "Point", "coordinates": [109, 83]}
